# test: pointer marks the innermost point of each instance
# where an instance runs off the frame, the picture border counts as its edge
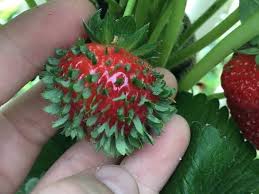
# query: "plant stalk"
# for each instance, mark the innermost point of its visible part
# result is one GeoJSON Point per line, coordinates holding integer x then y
{"type": "Point", "coordinates": [163, 20]}
{"type": "Point", "coordinates": [31, 3]}
{"type": "Point", "coordinates": [241, 35]}
{"type": "Point", "coordinates": [129, 8]}
{"type": "Point", "coordinates": [201, 20]}
{"type": "Point", "coordinates": [177, 58]}
{"type": "Point", "coordinates": [172, 30]}
{"type": "Point", "coordinates": [141, 14]}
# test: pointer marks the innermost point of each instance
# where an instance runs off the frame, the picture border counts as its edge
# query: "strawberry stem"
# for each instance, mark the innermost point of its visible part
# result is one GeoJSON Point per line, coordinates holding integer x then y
{"type": "Point", "coordinates": [233, 41]}
{"type": "Point", "coordinates": [31, 3]}
{"type": "Point", "coordinates": [172, 31]}
{"type": "Point", "coordinates": [178, 57]}
{"type": "Point", "coordinates": [129, 8]}
{"type": "Point", "coordinates": [201, 20]}
{"type": "Point", "coordinates": [141, 14]}
{"type": "Point", "coordinates": [164, 19]}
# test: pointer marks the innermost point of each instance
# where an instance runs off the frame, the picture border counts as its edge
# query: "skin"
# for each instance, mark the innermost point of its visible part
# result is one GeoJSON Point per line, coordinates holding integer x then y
{"type": "Point", "coordinates": [25, 128]}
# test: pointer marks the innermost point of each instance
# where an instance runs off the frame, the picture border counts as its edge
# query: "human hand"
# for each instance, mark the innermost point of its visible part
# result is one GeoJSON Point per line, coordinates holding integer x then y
{"type": "Point", "coordinates": [24, 128]}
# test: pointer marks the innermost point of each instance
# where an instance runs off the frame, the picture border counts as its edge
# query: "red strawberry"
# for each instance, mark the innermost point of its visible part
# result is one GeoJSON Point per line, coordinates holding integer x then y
{"type": "Point", "coordinates": [105, 92]}
{"type": "Point", "coordinates": [240, 80]}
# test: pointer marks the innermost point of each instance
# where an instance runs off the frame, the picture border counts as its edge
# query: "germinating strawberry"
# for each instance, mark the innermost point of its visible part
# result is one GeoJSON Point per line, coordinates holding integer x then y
{"type": "Point", "coordinates": [104, 88]}
{"type": "Point", "coordinates": [240, 80]}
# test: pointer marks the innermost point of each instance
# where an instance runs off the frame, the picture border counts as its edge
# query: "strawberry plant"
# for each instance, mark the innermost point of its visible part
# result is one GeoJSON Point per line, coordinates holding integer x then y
{"type": "Point", "coordinates": [104, 88]}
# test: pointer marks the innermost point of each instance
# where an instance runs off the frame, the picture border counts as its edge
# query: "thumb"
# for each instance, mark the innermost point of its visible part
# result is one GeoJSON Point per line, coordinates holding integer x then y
{"type": "Point", "coordinates": [107, 180]}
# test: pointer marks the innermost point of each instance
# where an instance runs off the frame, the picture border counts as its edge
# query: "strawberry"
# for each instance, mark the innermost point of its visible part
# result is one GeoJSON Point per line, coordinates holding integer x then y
{"type": "Point", "coordinates": [104, 88]}
{"type": "Point", "coordinates": [240, 80]}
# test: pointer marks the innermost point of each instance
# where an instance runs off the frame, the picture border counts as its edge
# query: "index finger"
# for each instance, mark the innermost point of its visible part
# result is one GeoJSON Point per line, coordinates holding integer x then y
{"type": "Point", "coordinates": [27, 41]}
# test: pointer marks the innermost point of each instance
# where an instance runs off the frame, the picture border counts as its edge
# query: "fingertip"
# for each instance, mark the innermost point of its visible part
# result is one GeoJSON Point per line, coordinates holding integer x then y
{"type": "Point", "coordinates": [169, 77]}
{"type": "Point", "coordinates": [181, 123]}
{"type": "Point", "coordinates": [119, 180]}
{"type": "Point", "coordinates": [29, 39]}
{"type": "Point", "coordinates": [153, 165]}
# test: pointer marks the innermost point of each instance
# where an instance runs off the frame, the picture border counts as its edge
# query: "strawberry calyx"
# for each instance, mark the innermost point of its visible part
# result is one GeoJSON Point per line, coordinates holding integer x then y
{"type": "Point", "coordinates": [251, 48]}
{"type": "Point", "coordinates": [86, 86]}
{"type": "Point", "coordinates": [122, 33]}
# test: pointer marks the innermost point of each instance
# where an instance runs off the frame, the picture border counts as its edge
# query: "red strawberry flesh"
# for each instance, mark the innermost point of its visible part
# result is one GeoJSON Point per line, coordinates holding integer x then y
{"type": "Point", "coordinates": [116, 69]}
{"type": "Point", "coordinates": [240, 80]}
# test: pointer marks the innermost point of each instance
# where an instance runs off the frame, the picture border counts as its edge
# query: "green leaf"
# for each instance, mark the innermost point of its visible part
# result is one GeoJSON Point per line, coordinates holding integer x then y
{"type": "Point", "coordinates": [92, 27]}
{"type": "Point", "coordinates": [77, 120]}
{"type": "Point", "coordinates": [99, 130]}
{"type": "Point", "coordinates": [86, 93]}
{"type": "Point", "coordinates": [75, 50]}
{"type": "Point", "coordinates": [120, 98]}
{"type": "Point", "coordinates": [111, 131]}
{"type": "Point", "coordinates": [131, 114]}
{"type": "Point", "coordinates": [113, 7]}
{"type": "Point", "coordinates": [61, 52]}
{"type": "Point", "coordinates": [107, 29]}
{"type": "Point", "coordinates": [153, 119]}
{"type": "Point", "coordinates": [67, 98]}
{"type": "Point", "coordinates": [120, 114]}
{"type": "Point", "coordinates": [218, 160]}
{"type": "Point", "coordinates": [161, 107]}
{"type": "Point", "coordinates": [138, 125]}
{"type": "Point", "coordinates": [143, 100]}
{"type": "Point", "coordinates": [255, 41]}
{"type": "Point", "coordinates": [92, 78]}
{"type": "Point", "coordinates": [250, 51]}
{"type": "Point", "coordinates": [127, 67]}
{"type": "Point", "coordinates": [79, 86]}
{"type": "Point", "coordinates": [53, 95]}
{"type": "Point", "coordinates": [65, 84]}
{"type": "Point", "coordinates": [121, 145]}
{"type": "Point", "coordinates": [145, 50]}
{"type": "Point", "coordinates": [125, 25]}
{"type": "Point", "coordinates": [48, 79]}
{"type": "Point", "coordinates": [60, 122]}
{"type": "Point", "coordinates": [134, 142]}
{"type": "Point", "coordinates": [149, 138]}
{"type": "Point", "coordinates": [52, 109]}
{"type": "Point", "coordinates": [80, 133]}
{"type": "Point", "coordinates": [137, 82]}
{"type": "Point", "coordinates": [91, 121]}
{"type": "Point", "coordinates": [133, 41]}
{"type": "Point", "coordinates": [74, 73]}
{"type": "Point", "coordinates": [53, 61]}
{"type": "Point", "coordinates": [248, 8]}
{"type": "Point", "coordinates": [107, 145]}
{"type": "Point", "coordinates": [66, 109]}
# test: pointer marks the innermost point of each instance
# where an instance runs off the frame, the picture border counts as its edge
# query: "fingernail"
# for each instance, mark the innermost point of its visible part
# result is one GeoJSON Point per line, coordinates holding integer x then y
{"type": "Point", "coordinates": [117, 179]}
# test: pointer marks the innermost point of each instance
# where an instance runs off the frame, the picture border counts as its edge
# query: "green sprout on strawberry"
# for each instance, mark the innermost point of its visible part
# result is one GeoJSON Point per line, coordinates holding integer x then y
{"type": "Point", "coordinates": [104, 88]}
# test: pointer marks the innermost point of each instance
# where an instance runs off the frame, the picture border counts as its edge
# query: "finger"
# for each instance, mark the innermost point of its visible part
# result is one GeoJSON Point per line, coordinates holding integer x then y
{"type": "Point", "coordinates": [108, 180]}
{"type": "Point", "coordinates": [169, 78]}
{"type": "Point", "coordinates": [80, 157]}
{"type": "Point", "coordinates": [24, 127]}
{"type": "Point", "coordinates": [53, 25]}
{"type": "Point", "coordinates": [153, 165]}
